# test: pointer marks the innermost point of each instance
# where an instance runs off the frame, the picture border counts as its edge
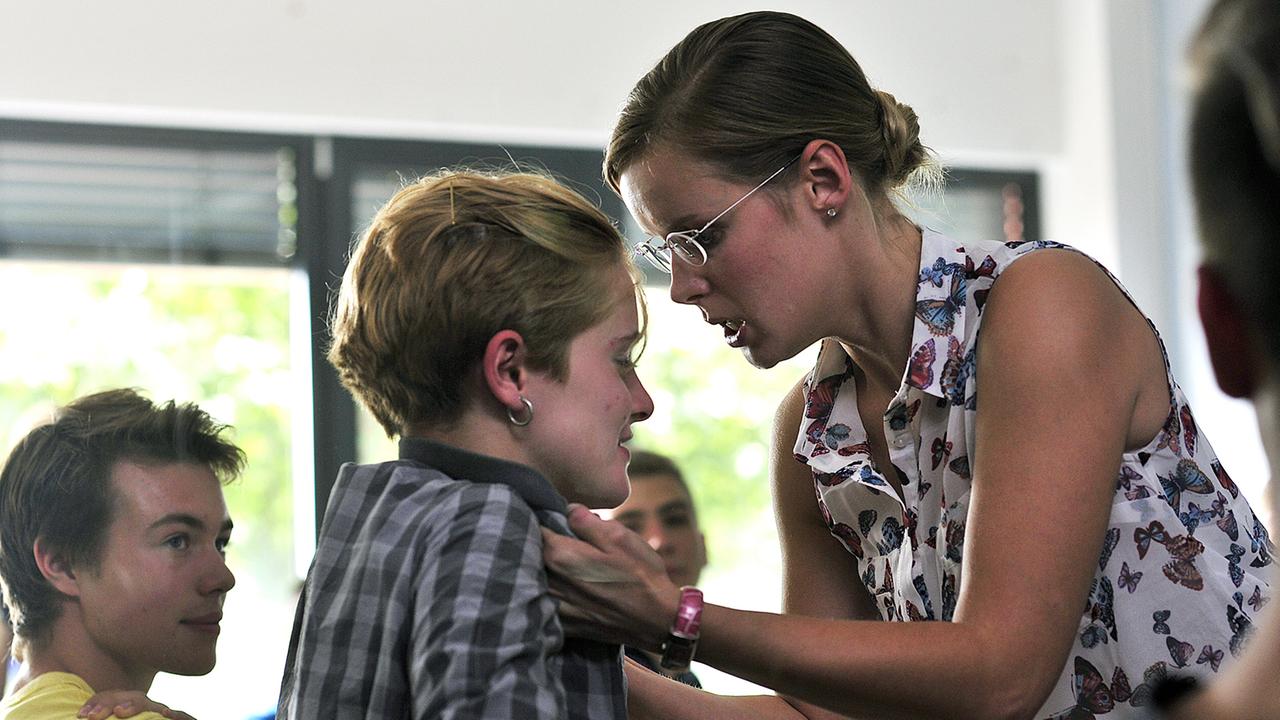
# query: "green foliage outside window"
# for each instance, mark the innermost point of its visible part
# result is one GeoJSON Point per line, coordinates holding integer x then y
{"type": "Point", "coordinates": [215, 337]}
{"type": "Point", "coordinates": [714, 416]}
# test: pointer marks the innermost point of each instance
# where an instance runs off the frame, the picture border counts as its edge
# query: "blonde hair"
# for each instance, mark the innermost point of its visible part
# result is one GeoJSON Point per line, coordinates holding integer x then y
{"type": "Point", "coordinates": [449, 261]}
{"type": "Point", "coordinates": [747, 93]}
{"type": "Point", "coordinates": [1235, 154]}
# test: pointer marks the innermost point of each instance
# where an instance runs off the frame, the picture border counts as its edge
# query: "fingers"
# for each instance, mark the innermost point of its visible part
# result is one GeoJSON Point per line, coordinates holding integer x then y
{"type": "Point", "coordinates": [594, 529]}
{"type": "Point", "coordinates": [561, 552]}
{"type": "Point", "coordinates": [579, 624]}
{"type": "Point", "coordinates": [121, 709]}
{"type": "Point", "coordinates": [120, 704]}
{"type": "Point", "coordinates": [615, 542]}
{"type": "Point", "coordinates": [95, 711]}
{"type": "Point", "coordinates": [568, 555]}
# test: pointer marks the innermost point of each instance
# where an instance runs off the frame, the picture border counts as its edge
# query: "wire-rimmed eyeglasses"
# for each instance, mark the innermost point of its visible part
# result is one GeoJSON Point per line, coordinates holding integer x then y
{"type": "Point", "coordinates": [684, 243]}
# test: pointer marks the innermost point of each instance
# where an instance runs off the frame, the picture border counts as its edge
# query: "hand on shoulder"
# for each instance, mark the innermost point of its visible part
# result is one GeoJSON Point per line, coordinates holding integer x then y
{"type": "Point", "coordinates": [126, 704]}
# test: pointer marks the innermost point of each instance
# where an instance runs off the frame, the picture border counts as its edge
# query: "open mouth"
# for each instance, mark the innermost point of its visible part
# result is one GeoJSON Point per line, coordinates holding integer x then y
{"type": "Point", "coordinates": [733, 331]}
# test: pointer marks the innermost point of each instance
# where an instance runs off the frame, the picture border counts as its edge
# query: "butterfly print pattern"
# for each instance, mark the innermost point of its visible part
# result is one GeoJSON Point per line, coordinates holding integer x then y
{"type": "Point", "coordinates": [1211, 656]}
{"type": "Point", "coordinates": [1161, 625]}
{"type": "Point", "coordinates": [1128, 580]}
{"type": "Point", "coordinates": [1180, 538]}
{"type": "Point", "coordinates": [1108, 545]}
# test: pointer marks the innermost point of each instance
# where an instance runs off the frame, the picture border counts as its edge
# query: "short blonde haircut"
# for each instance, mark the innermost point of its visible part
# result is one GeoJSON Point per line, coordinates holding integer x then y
{"type": "Point", "coordinates": [449, 261]}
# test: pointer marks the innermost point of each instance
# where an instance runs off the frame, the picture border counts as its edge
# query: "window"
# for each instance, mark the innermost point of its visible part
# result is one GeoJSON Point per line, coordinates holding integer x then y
{"type": "Point", "coordinates": [200, 266]}
{"type": "Point", "coordinates": [165, 262]}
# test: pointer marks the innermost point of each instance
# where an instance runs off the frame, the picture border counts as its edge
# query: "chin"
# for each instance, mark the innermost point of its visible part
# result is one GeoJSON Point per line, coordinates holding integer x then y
{"type": "Point", "coordinates": [765, 357]}
{"type": "Point", "coordinates": [192, 667]}
{"type": "Point", "coordinates": [608, 495]}
{"type": "Point", "coordinates": [759, 359]}
{"type": "Point", "coordinates": [606, 501]}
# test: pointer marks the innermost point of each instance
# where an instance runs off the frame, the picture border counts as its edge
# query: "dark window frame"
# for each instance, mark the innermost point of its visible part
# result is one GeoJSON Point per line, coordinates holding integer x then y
{"type": "Point", "coordinates": [327, 168]}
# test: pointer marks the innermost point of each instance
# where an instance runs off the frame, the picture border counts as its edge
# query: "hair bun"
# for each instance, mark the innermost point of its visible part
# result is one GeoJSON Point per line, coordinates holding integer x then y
{"type": "Point", "coordinates": [903, 151]}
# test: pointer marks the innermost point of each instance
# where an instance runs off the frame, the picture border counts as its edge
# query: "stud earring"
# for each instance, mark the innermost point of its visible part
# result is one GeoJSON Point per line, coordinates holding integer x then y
{"type": "Point", "coordinates": [831, 212]}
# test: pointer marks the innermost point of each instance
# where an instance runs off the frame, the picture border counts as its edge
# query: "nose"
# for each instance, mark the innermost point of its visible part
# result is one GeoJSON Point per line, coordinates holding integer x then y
{"type": "Point", "coordinates": [655, 536]}
{"type": "Point", "coordinates": [220, 579]}
{"type": "Point", "coordinates": [641, 402]}
{"type": "Point", "coordinates": [688, 284]}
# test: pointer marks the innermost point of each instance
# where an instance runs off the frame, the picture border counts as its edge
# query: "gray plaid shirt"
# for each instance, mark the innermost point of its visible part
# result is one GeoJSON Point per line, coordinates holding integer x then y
{"type": "Point", "coordinates": [427, 598]}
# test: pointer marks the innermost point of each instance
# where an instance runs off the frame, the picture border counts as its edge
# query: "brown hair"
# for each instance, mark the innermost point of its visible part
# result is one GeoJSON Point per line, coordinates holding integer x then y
{"type": "Point", "coordinates": [55, 487]}
{"type": "Point", "coordinates": [747, 93]}
{"type": "Point", "coordinates": [645, 462]}
{"type": "Point", "coordinates": [453, 259]}
{"type": "Point", "coordinates": [1235, 154]}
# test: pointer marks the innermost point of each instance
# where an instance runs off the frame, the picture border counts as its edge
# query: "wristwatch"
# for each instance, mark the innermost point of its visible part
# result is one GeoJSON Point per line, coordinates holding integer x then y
{"type": "Point", "coordinates": [682, 641]}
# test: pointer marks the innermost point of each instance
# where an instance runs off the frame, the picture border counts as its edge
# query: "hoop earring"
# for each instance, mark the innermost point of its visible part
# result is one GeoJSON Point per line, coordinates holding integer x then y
{"type": "Point", "coordinates": [521, 422]}
{"type": "Point", "coordinates": [831, 212]}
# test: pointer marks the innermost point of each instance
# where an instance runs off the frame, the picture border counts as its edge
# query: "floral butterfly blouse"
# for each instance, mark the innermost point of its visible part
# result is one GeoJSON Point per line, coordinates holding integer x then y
{"type": "Point", "coordinates": [1181, 574]}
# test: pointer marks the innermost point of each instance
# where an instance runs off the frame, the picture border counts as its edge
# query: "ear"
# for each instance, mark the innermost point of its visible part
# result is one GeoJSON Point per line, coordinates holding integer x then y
{"type": "Point", "coordinates": [55, 569]}
{"type": "Point", "coordinates": [505, 372]}
{"type": "Point", "coordinates": [825, 176]}
{"type": "Point", "coordinates": [1229, 336]}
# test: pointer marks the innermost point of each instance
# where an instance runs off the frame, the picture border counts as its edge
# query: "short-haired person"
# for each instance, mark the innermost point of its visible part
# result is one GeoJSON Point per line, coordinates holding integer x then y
{"type": "Point", "coordinates": [660, 510]}
{"type": "Point", "coordinates": [1235, 174]}
{"type": "Point", "coordinates": [991, 437]}
{"type": "Point", "coordinates": [492, 322]}
{"type": "Point", "coordinates": [113, 532]}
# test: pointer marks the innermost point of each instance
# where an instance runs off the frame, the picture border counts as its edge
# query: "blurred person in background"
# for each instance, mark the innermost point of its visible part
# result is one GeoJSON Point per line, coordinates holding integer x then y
{"type": "Point", "coordinates": [660, 510]}
{"type": "Point", "coordinates": [1235, 173]}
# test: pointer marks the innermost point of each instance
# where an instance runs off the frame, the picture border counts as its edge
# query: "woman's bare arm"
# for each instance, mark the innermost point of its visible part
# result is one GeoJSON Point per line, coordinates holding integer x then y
{"type": "Point", "coordinates": [1065, 366]}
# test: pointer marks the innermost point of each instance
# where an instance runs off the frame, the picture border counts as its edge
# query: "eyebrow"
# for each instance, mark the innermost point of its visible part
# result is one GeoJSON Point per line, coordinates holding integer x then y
{"type": "Point", "coordinates": [628, 339]}
{"type": "Point", "coordinates": [675, 505]}
{"type": "Point", "coordinates": [660, 510]}
{"type": "Point", "coordinates": [687, 222]}
{"type": "Point", "coordinates": [190, 521]}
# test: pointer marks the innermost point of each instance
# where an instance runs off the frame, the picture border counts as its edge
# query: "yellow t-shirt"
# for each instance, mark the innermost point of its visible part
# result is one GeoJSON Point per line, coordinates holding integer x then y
{"type": "Point", "coordinates": [53, 696]}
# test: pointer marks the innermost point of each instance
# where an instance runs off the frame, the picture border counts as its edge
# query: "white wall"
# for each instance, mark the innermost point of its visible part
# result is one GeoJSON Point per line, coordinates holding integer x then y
{"type": "Point", "coordinates": [560, 68]}
{"type": "Point", "coordinates": [989, 78]}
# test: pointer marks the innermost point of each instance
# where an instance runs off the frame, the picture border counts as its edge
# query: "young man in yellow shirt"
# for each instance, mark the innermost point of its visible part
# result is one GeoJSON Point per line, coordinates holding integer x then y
{"type": "Point", "coordinates": [113, 531]}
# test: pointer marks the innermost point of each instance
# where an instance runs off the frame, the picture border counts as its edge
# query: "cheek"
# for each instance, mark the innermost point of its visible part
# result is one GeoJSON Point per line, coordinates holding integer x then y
{"type": "Point", "coordinates": [150, 585]}
{"type": "Point", "coordinates": [613, 397]}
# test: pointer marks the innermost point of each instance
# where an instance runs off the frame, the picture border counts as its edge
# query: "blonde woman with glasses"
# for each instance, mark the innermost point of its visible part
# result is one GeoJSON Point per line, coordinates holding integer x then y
{"type": "Point", "coordinates": [1064, 521]}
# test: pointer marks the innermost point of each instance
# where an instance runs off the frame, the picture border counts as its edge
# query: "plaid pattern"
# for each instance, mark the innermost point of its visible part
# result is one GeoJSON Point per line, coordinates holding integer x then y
{"type": "Point", "coordinates": [427, 598]}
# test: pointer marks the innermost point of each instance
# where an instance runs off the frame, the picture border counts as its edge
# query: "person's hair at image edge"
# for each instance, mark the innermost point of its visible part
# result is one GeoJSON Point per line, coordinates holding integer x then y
{"type": "Point", "coordinates": [747, 93]}
{"type": "Point", "coordinates": [56, 486]}
{"type": "Point", "coordinates": [647, 463]}
{"type": "Point", "coordinates": [1235, 156]}
{"type": "Point", "coordinates": [451, 260]}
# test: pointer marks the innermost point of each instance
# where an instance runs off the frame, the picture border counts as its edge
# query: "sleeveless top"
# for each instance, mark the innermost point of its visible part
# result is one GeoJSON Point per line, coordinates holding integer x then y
{"type": "Point", "coordinates": [1180, 576]}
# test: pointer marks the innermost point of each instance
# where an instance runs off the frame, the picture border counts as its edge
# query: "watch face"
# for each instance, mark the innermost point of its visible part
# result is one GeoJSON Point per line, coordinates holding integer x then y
{"type": "Point", "coordinates": [677, 652]}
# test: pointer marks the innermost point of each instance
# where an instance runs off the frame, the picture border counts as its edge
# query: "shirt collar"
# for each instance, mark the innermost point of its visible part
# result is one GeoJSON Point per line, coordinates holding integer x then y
{"type": "Point", "coordinates": [942, 294]}
{"type": "Point", "coordinates": [532, 487]}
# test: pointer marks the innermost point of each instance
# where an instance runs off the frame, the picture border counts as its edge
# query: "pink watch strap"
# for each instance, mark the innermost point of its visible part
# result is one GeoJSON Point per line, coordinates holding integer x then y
{"type": "Point", "coordinates": [689, 614]}
{"type": "Point", "coordinates": [682, 641]}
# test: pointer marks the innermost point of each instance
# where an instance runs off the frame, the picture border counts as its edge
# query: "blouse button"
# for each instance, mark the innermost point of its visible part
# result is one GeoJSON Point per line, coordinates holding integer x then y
{"type": "Point", "coordinates": [900, 442]}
